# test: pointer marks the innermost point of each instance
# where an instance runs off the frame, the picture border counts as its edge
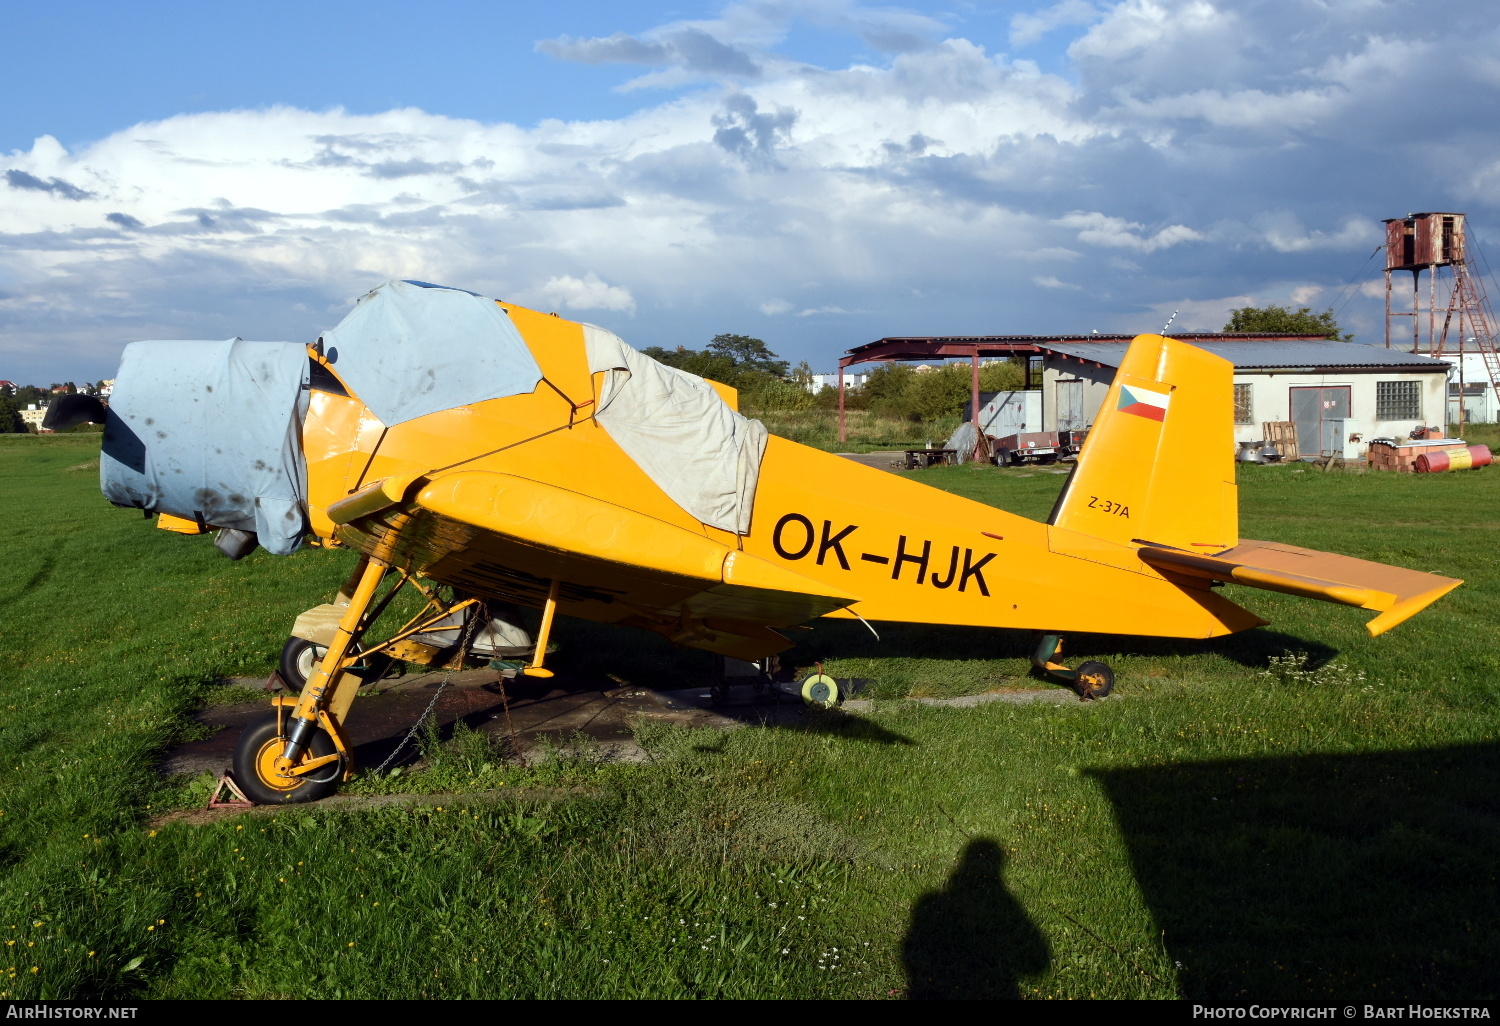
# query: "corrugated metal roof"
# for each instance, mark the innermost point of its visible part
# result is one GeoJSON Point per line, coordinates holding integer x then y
{"type": "Point", "coordinates": [1269, 355]}
{"type": "Point", "coordinates": [1093, 336]}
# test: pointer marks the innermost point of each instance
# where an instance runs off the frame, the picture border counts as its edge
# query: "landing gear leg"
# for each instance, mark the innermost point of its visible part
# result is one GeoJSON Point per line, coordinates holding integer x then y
{"type": "Point", "coordinates": [297, 753]}
{"type": "Point", "coordinates": [1091, 680]}
{"type": "Point", "coordinates": [718, 690]}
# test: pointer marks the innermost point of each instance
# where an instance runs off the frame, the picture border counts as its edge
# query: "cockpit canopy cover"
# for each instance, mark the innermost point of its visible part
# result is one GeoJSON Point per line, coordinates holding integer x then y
{"type": "Point", "coordinates": [676, 428]}
{"type": "Point", "coordinates": [408, 349]}
{"type": "Point", "coordinates": [211, 431]}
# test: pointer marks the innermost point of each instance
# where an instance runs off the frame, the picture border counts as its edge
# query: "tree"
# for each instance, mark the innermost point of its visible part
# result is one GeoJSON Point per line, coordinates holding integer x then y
{"type": "Point", "coordinates": [10, 418]}
{"type": "Point", "coordinates": [938, 392]}
{"type": "Point", "coordinates": [748, 354]}
{"type": "Point", "coordinates": [24, 395]}
{"type": "Point", "coordinates": [1280, 320]}
{"type": "Point", "coordinates": [1002, 376]}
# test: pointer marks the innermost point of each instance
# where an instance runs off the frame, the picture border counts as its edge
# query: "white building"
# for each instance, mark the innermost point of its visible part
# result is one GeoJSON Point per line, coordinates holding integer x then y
{"type": "Point", "coordinates": [1473, 378]}
{"type": "Point", "coordinates": [1339, 394]}
{"type": "Point", "coordinates": [851, 381]}
{"type": "Point", "coordinates": [32, 416]}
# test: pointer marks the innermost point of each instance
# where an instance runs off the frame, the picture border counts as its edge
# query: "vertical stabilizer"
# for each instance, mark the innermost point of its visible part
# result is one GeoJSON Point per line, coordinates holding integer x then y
{"type": "Point", "coordinates": [1158, 464]}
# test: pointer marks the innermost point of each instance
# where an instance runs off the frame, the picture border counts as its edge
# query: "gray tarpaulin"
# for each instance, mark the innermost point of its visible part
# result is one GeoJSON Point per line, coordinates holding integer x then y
{"type": "Point", "coordinates": [211, 431]}
{"type": "Point", "coordinates": [703, 454]}
{"type": "Point", "coordinates": [409, 349]}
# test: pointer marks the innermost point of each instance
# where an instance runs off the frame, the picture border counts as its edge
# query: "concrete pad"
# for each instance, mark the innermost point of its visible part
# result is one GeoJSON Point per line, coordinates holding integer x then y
{"type": "Point", "coordinates": [879, 460]}
{"type": "Point", "coordinates": [542, 713]}
{"type": "Point", "coordinates": [554, 709]}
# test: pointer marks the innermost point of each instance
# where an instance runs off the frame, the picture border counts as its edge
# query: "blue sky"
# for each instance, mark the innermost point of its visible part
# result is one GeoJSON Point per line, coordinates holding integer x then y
{"type": "Point", "coordinates": [815, 172]}
{"type": "Point", "coordinates": [87, 70]}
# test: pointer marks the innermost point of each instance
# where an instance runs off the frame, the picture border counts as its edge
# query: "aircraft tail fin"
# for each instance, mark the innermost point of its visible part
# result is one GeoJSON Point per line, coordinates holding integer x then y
{"type": "Point", "coordinates": [1158, 464]}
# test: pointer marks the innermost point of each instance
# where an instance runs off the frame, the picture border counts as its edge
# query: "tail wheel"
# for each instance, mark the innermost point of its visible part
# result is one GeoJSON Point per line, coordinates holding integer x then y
{"type": "Point", "coordinates": [1094, 680]}
{"type": "Point", "coordinates": [820, 691]}
{"type": "Point", "coordinates": [261, 744]}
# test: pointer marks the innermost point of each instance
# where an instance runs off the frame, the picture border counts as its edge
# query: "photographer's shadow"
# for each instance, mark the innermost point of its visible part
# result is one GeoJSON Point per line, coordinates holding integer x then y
{"type": "Point", "coordinates": [972, 939]}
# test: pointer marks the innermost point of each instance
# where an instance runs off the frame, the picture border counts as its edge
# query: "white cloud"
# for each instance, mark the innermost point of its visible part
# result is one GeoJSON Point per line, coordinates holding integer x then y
{"type": "Point", "coordinates": [1285, 233]}
{"type": "Point", "coordinates": [1304, 294]}
{"type": "Point", "coordinates": [586, 293]}
{"type": "Point", "coordinates": [1049, 281]}
{"type": "Point", "coordinates": [1137, 26]}
{"type": "Point", "coordinates": [1102, 230]}
{"type": "Point", "coordinates": [772, 307]}
{"type": "Point", "coordinates": [1192, 314]}
{"type": "Point", "coordinates": [1026, 27]}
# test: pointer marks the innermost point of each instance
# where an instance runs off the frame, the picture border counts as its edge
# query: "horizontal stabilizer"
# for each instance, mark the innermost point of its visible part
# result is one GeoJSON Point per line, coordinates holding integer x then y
{"type": "Point", "coordinates": [1394, 592]}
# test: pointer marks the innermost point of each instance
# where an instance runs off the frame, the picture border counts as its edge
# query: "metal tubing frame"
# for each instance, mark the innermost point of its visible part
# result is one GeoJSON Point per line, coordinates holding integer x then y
{"type": "Point", "coordinates": [411, 627]}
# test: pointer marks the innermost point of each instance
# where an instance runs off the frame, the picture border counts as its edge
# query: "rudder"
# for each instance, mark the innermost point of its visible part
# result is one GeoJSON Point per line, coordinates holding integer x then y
{"type": "Point", "coordinates": [1158, 463]}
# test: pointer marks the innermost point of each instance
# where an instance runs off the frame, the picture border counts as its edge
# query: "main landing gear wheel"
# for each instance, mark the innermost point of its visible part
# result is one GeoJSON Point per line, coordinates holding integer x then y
{"type": "Point", "coordinates": [1094, 680]}
{"type": "Point", "coordinates": [820, 691]}
{"type": "Point", "coordinates": [261, 744]}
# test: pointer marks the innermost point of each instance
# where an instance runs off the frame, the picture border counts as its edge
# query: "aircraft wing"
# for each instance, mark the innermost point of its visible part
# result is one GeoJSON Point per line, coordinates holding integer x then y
{"type": "Point", "coordinates": [503, 534]}
{"type": "Point", "coordinates": [1392, 591]}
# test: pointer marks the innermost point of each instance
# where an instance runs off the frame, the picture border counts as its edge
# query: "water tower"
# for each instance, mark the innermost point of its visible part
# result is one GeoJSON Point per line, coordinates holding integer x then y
{"type": "Point", "coordinates": [1430, 242]}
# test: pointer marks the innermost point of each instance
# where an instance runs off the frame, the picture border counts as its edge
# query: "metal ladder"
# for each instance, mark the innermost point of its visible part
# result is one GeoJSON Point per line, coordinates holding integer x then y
{"type": "Point", "coordinates": [1470, 302]}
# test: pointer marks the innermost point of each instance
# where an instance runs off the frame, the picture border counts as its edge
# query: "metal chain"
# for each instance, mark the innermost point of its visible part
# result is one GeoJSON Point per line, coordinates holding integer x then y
{"type": "Point", "coordinates": [447, 676]}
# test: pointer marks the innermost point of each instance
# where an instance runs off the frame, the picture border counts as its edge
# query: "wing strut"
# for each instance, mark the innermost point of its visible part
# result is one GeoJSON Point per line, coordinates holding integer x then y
{"type": "Point", "coordinates": [539, 654]}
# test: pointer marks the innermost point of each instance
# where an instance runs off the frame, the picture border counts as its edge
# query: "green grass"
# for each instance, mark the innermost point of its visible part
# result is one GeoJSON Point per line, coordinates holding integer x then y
{"type": "Point", "coordinates": [1227, 827]}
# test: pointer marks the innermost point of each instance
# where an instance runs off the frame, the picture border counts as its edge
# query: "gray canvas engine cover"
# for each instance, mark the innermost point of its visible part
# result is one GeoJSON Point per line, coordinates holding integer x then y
{"type": "Point", "coordinates": [211, 431]}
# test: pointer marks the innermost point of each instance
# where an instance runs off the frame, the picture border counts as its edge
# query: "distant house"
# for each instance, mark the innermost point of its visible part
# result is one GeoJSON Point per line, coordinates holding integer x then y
{"type": "Point", "coordinates": [817, 381]}
{"type": "Point", "coordinates": [32, 416]}
{"type": "Point", "coordinates": [1339, 394]}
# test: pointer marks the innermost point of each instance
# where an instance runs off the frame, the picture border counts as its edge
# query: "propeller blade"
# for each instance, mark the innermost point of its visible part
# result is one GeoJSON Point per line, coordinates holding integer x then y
{"type": "Point", "coordinates": [71, 410]}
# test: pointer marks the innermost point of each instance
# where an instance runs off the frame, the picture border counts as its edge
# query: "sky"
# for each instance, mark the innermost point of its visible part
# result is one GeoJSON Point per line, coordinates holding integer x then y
{"type": "Point", "coordinates": [816, 173]}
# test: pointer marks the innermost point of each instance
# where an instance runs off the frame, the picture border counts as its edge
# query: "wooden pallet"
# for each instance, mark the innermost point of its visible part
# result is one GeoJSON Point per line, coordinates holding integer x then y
{"type": "Point", "coordinates": [1283, 435]}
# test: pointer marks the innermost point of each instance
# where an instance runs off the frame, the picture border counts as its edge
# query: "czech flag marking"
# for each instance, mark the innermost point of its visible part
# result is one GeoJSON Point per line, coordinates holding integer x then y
{"type": "Point", "coordinates": [1143, 402]}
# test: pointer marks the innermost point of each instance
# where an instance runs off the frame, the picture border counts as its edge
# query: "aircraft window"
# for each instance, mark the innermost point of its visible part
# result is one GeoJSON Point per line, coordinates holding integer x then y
{"type": "Point", "coordinates": [320, 378]}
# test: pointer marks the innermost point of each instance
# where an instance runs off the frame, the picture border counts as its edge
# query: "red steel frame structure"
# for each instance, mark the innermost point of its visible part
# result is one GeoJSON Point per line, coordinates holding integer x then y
{"type": "Point", "coordinates": [973, 347]}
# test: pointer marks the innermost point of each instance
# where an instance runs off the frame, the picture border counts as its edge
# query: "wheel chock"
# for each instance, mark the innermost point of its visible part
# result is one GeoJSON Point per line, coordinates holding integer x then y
{"type": "Point", "coordinates": [235, 799]}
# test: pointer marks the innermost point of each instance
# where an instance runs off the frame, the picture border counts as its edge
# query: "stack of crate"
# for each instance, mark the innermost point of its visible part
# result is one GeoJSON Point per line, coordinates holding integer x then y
{"type": "Point", "coordinates": [1401, 456]}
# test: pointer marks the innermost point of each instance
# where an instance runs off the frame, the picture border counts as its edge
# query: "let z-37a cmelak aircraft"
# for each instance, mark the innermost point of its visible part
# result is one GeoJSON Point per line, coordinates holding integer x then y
{"type": "Point", "coordinates": [489, 456]}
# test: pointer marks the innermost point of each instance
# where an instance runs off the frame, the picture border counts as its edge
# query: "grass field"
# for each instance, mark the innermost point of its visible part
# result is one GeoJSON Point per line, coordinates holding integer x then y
{"type": "Point", "coordinates": [1231, 824]}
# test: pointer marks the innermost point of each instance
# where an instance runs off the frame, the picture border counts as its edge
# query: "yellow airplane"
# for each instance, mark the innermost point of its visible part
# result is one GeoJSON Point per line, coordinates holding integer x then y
{"type": "Point", "coordinates": [490, 455]}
